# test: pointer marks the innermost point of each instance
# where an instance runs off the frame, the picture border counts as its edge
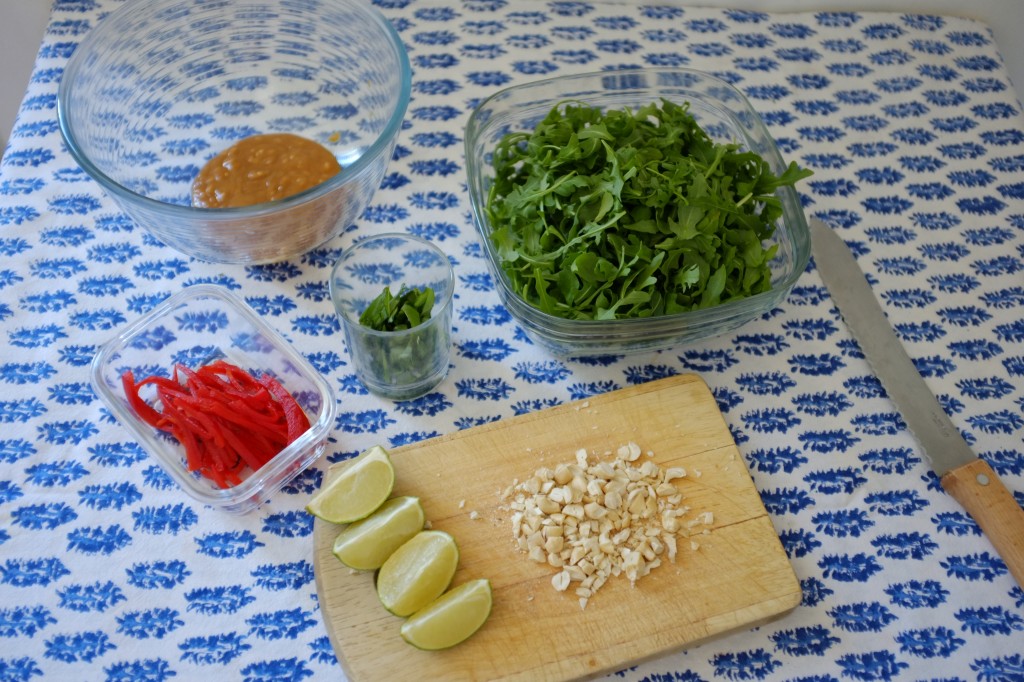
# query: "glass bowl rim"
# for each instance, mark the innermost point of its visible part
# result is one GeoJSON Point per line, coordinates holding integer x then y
{"type": "Point", "coordinates": [379, 146]}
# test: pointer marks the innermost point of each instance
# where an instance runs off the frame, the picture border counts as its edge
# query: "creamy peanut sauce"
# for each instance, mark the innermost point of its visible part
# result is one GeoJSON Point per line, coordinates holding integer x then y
{"type": "Point", "coordinates": [262, 168]}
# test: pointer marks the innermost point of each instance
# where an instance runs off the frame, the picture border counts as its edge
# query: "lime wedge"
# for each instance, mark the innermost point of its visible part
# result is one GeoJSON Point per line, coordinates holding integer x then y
{"type": "Point", "coordinates": [358, 490]}
{"type": "Point", "coordinates": [418, 572]}
{"type": "Point", "coordinates": [367, 543]}
{"type": "Point", "coordinates": [451, 618]}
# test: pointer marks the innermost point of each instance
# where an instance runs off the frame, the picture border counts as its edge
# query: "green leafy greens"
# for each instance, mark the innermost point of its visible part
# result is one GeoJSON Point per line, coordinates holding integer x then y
{"type": "Point", "coordinates": [406, 358]}
{"type": "Point", "coordinates": [622, 214]}
{"type": "Point", "coordinates": [390, 313]}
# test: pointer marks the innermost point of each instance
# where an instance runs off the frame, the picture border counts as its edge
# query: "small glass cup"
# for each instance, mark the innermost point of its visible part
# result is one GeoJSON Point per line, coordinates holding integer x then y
{"type": "Point", "coordinates": [404, 364]}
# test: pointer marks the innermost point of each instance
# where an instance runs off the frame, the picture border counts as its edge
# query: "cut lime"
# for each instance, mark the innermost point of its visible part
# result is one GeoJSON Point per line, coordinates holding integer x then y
{"type": "Point", "coordinates": [451, 618]}
{"type": "Point", "coordinates": [358, 490]}
{"type": "Point", "coordinates": [418, 572]}
{"type": "Point", "coordinates": [367, 543]}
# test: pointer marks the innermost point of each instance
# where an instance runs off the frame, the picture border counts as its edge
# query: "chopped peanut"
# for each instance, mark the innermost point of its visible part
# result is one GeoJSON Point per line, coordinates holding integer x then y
{"type": "Point", "coordinates": [597, 520]}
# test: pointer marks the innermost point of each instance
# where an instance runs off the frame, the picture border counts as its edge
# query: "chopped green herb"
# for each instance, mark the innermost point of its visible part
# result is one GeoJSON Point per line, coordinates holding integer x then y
{"type": "Point", "coordinates": [405, 358]}
{"type": "Point", "coordinates": [390, 313]}
{"type": "Point", "coordinates": [622, 214]}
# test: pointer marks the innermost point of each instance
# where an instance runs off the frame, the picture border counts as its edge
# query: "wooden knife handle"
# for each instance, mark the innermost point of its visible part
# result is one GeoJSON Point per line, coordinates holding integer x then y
{"type": "Point", "coordinates": [979, 491]}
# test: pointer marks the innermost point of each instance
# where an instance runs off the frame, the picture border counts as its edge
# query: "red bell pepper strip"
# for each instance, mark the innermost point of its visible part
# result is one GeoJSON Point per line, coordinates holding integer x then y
{"type": "Point", "coordinates": [234, 385]}
{"type": "Point", "coordinates": [142, 408]}
{"type": "Point", "coordinates": [214, 414]}
{"type": "Point", "coordinates": [264, 448]}
{"type": "Point", "coordinates": [239, 446]}
{"type": "Point", "coordinates": [175, 423]}
{"type": "Point", "coordinates": [239, 415]}
{"type": "Point", "coordinates": [298, 422]}
{"type": "Point", "coordinates": [193, 457]}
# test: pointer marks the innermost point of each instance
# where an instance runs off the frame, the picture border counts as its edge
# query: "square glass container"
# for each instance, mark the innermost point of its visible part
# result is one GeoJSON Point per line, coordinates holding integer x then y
{"type": "Point", "coordinates": [723, 112]}
{"type": "Point", "coordinates": [194, 327]}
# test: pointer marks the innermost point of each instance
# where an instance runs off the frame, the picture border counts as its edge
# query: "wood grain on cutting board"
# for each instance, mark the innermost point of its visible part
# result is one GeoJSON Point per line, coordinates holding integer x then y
{"type": "Point", "coordinates": [737, 576]}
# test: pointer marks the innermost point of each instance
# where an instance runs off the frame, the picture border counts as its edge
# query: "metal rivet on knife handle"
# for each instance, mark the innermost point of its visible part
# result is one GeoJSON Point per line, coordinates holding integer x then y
{"type": "Point", "coordinates": [992, 506]}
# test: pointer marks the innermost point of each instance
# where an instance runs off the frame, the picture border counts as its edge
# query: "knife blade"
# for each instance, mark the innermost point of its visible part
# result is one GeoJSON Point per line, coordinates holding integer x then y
{"type": "Point", "coordinates": [965, 476]}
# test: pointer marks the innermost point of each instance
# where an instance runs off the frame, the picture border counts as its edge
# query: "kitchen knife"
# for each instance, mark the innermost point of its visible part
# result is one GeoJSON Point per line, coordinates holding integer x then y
{"type": "Point", "coordinates": [969, 479]}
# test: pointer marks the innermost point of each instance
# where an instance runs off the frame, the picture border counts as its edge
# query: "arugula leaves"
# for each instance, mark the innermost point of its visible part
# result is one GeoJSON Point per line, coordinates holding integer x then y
{"type": "Point", "coordinates": [621, 214]}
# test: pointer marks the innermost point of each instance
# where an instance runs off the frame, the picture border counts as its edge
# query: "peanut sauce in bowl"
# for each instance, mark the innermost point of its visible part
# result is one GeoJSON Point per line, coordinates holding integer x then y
{"type": "Point", "coordinates": [148, 92]}
{"type": "Point", "coordinates": [262, 168]}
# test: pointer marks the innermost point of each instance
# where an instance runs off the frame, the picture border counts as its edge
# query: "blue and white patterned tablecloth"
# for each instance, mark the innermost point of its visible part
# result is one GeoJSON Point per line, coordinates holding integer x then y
{"type": "Point", "coordinates": [916, 137]}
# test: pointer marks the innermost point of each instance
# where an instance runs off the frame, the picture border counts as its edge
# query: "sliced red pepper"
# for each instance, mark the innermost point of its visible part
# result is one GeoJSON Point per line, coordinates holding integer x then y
{"type": "Point", "coordinates": [165, 383]}
{"type": "Point", "coordinates": [142, 408]}
{"type": "Point", "coordinates": [174, 422]}
{"type": "Point", "coordinates": [209, 426]}
{"type": "Point", "coordinates": [237, 415]}
{"type": "Point", "coordinates": [233, 375]}
{"type": "Point", "coordinates": [263, 448]}
{"type": "Point", "coordinates": [225, 419]}
{"type": "Point", "coordinates": [213, 473]}
{"type": "Point", "coordinates": [260, 400]}
{"type": "Point", "coordinates": [196, 385]}
{"type": "Point", "coordinates": [165, 387]}
{"type": "Point", "coordinates": [234, 384]}
{"type": "Point", "coordinates": [298, 422]}
{"type": "Point", "coordinates": [242, 449]}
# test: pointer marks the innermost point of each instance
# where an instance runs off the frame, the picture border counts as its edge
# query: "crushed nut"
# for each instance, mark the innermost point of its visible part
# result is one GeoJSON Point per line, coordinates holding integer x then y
{"type": "Point", "coordinates": [598, 520]}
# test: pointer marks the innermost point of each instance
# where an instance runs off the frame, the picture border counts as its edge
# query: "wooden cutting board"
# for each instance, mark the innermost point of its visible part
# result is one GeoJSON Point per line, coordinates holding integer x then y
{"type": "Point", "coordinates": [737, 577]}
